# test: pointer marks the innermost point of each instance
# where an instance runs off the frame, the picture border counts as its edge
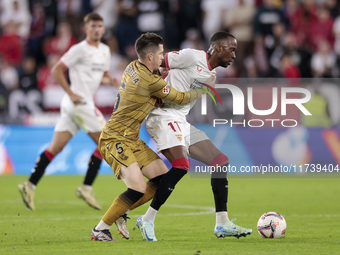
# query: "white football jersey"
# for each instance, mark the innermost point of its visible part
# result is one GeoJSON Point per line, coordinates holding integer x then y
{"type": "Point", "coordinates": [186, 68]}
{"type": "Point", "coordinates": [86, 64]}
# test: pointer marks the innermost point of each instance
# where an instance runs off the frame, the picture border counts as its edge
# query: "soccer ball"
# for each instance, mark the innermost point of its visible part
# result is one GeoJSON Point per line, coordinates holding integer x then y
{"type": "Point", "coordinates": [271, 225]}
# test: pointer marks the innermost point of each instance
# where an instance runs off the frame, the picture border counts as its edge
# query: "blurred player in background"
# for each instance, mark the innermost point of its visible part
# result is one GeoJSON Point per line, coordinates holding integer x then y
{"type": "Point", "coordinates": [176, 138]}
{"type": "Point", "coordinates": [129, 157]}
{"type": "Point", "coordinates": [88, 63]}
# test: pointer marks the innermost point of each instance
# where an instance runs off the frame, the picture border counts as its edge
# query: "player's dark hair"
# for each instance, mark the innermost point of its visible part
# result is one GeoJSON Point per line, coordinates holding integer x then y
{"type": "Point", "coordinates": [92, 16]}
{"type": "Point", "coordinates": [220, 36]}
{"type": "Point", "coordinates": [146, 43]}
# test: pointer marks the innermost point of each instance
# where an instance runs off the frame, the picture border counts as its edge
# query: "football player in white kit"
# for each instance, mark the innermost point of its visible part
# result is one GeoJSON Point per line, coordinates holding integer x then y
{"type": "Point", "coordinates": [88, 63]}
{"type": "Point", "coordinates": [175, 137]}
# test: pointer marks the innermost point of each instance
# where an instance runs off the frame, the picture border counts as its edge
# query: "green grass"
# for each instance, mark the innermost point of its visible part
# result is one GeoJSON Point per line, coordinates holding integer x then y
{"type": "Point", "coordinates": [62, 223]}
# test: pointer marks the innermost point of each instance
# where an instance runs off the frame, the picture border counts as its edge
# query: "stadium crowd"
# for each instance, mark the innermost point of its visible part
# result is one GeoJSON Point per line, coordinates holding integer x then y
{"type": "Point", "coordinates": [276, 38]}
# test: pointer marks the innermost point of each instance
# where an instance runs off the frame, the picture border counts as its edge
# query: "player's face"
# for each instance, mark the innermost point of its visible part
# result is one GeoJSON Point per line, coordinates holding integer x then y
{"type": "Point", "coordinates": [94, 30]}
{"type": "Point", "coordinates": [158, 58]}
{"type": "Point", "coordinates": [228, 52]}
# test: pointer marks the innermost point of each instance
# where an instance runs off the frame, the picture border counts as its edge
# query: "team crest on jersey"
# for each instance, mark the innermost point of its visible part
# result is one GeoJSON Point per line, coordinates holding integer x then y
{"type": "Point", "coordinates": [179, 137]}
{"type": "Point", "coordinates": [166, 89]}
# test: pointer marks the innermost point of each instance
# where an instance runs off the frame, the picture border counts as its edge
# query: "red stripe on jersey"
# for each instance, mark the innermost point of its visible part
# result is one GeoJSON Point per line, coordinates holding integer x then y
{"type": "Point", "coordinates": [167, 61]}
{"type": "Point", "coordinates": [63, 64]}
{"type": "Point", "coordinates": [182, 163]}
{"type": "Point", "coordinates": [208, 63]}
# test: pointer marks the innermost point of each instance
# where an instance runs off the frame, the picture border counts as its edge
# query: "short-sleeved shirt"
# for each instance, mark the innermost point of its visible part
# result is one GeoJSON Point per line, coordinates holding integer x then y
{"type": "Point", "coordinates": [137, 95]}
{"type": "Point", "coordinates": [86, 64]}
{"type": "Point", "coordinates": [187, 67]}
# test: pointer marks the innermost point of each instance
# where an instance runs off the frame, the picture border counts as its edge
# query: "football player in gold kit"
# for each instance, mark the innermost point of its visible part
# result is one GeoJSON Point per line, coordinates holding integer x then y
{"type": "Point", "coordinates": [129, 157]}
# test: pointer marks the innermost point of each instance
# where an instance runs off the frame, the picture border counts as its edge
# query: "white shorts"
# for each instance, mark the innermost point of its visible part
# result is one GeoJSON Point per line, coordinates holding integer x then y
{"type": "Point", "coordinates": [169, 132]}
{"type": "Point", "coordinates": [74, 117]}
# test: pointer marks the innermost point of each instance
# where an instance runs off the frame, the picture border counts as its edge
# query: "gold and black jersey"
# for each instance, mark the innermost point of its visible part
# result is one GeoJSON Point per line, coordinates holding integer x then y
{"type": "Point", "coordinates": [137, 95]}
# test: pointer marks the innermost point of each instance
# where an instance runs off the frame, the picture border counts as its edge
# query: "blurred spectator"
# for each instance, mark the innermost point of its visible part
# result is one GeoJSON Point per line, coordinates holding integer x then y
{"type": "Point", "coordinates": [18, 13]}
{"type": "Point", "coordinates": [333, 8]}
{"type": "Point", "coordinates": [34, 45]}
{"type": "Point", "coordinates": [274, 42]}
{"type": "Point", "coordinates": [213, 12]}
{"type": "Point", "coordinates": [300, 57]}
{"type": "Point", "coordinates": [321, 28]}
{"type": "Point", "coordinates": [51, 14]}
{"type": "Point", "coordinates": [289, 69]}
{"type": "Point", "coordinates": [70, 11]}
{"type": "Point", "coordinates": [63, 40]}
{"type": "Point", "coordinates": [323, 61]}
{"type": "Point", "coordinates": [266, 16]}
{"type": "Point", "coordinates": [300, 20]}
{"type": "Point", "coordinates": [126, 30]}
{"type": "Point", "coordinates": [150, 16]}
{"type": "Point", "coordinates": [108, 10]}
{"type": "Point", "coordinates": [239, 23]}
{"type": "Point", "coordinates": [193, 40]}
{"type": "Point", "coordinates": [10, 44]}
{"type": "Point", "coordinates": [336, 32]}
{"type": "Point", "coordinates": [28, 74]}
{"type": "Point", "coordinates": [8, 75]}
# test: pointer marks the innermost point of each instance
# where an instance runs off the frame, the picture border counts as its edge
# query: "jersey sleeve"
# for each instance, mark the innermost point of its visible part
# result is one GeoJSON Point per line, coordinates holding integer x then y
{"type": "Point", "coordinates": [72, 56]}
{"type": "Point", "coordinates": [180, 59]}
{"type": "Point", "coordinates": [160, 89]}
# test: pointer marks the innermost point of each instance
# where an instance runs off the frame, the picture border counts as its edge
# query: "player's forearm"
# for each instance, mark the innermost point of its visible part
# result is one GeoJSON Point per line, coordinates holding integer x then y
{"type": "Point", "coordinates": [58, 75]}
{"type": "Point", "coordinates": [182, 98]}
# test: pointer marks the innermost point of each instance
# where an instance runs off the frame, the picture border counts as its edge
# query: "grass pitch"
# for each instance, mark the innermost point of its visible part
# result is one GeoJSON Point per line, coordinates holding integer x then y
{"type": "Point", "coordinates": [62, 223]}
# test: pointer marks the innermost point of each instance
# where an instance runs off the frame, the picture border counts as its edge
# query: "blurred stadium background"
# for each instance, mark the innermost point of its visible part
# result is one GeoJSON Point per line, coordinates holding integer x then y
{"type": "Point", "coordinates": [296, 42]}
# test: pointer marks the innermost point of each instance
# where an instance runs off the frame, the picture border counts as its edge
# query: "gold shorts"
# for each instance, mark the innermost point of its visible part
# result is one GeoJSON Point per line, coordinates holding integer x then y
{"type": "Point", "coordinates": [119, 151]}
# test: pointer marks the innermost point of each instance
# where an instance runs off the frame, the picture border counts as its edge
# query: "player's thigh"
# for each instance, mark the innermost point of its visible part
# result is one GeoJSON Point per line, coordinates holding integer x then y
{"type": "Point", "coordinates": [204, 151]}
{"type": "Point", "coordinates": [167, 132]}
{"type": "Point", "coordinates": [59, 141]}
{"type": "Point", "coordinates": [116, 152]}
{"type": "Point", "coordinates": [133, 177]}
{"type": "Point", "coordinates": [89, 118]}
{"type": "Point", "coordinates": [144, 154]}
{"type": "Point", "coordinates": [154, 169]}
{"type": "Point", "coordinates": [175, 152]}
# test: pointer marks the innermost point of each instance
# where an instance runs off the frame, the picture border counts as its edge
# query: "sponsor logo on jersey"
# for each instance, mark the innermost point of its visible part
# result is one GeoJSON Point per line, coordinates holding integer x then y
{"type": "Point", "coordinates": [199, 69]}
{"type": "Point", "coordinates": [166, 89]}
{"type": "Point", "coordinates": [179, 137]}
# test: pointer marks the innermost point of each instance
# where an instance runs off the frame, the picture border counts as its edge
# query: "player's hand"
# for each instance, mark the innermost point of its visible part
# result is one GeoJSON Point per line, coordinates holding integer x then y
{"type": "Point", "coordinates": [76, 99]}
{"type": "Point", "coordinates": [159, 103]}
{"type": "Point", "coordinates": [211, 81]}
{"type": "Point", "coordinates": [163, 71]}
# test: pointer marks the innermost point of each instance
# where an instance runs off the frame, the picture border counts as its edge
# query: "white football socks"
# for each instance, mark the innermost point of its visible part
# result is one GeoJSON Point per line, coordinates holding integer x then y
{"type": "Point", "coordinates": [102, 225]}
{"type": "Point", "coordinates": [150, 214]}
{"type": "Point", "coordinates": [221, 217]}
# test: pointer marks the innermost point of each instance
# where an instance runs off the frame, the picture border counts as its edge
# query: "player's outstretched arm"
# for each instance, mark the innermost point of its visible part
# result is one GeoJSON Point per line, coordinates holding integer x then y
{"type": "Point", "coordinates": [58, 74]}
{"type": "Point", "coordinates": [170, 94]}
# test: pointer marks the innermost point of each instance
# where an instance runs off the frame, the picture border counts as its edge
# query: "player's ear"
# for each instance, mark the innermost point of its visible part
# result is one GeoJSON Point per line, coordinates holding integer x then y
{"type": "Point", "coordinates": [150, 56]}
